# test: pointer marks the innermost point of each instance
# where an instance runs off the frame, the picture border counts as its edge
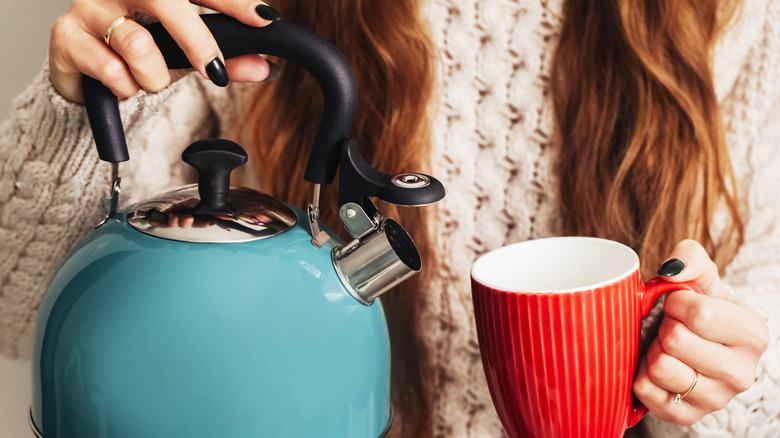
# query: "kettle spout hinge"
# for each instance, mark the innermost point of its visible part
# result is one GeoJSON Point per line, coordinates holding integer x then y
{"type": "Point", "coordinates": [116, 188]}
{"type": "Point", "coordinates": [381, 255]}
{"type": "Point", "coordinates": [318, 237]}
{"type": "Point", "coordinates": [357, 221]}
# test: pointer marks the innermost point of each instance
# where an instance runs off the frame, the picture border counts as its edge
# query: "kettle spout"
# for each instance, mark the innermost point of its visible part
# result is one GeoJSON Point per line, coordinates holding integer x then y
{"type": "Point", "coordinates": [377, 261]}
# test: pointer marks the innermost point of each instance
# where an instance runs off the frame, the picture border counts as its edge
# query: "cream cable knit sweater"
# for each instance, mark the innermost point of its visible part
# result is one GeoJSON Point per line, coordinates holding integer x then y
{"type": "Point", "coordinates": [493, 150]}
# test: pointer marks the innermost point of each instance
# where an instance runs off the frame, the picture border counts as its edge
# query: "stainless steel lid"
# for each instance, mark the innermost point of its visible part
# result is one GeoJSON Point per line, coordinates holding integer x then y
{"type": "Point", "coordinates": [169, 215]}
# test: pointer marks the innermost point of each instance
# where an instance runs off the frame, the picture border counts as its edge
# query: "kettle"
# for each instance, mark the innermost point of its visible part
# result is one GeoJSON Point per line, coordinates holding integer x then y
{"type": "Point", "coordinates": [255, 321]}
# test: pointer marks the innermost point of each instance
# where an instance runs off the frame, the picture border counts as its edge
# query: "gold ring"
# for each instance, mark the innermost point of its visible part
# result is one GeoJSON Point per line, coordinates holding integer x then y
{"type": "Point", "coordinates": [678, 397]}
{"type": "Point", "coordinates": [118, 22]}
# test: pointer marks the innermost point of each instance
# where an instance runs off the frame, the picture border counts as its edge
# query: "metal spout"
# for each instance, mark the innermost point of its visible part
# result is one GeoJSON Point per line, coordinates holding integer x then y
{"type": "Point", "coordinates": [373, 264]}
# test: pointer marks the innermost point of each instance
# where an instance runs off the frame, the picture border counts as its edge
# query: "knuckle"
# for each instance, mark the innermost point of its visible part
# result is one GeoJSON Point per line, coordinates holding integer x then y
{"type": "Point", "coordinates": [112, 72]}
{"type": "Point", "coordinates": [761, 342]}
{"type": "Point", "coordinates": [126, 93]}
{"type": "Point", "coordinates": [114, 75]}
{"type": "Point", "coordinates": [160, 6]}
{"type": "Point", "coordinates": [690, 245]}
{"type": "Point", "coordinates": [741, 383]}
{"type": "Point", "coordinates": [58, 25]}
{"type": "Point", "coordinates": [661, 368]}
{"type": "Point", "coordinates": [136, 42]}
{"type": "Point", "coordinates": [78, 7]}
{"type": "Point", "coordinates": [63, 27]}
{"type": "Point", "coordinates": [643, 387]}
{"type": "Point", "coordinates": [203, 45]}
{"type": "Point", "coordinates": [673, 339]}
{"type": "Point", "coordinates": [702, 318]}
{"type": "Point", "coordinates": [759, 339]}
{"type": "Point", "coordinates": [155, 5]}
{"type": "Point", "coordinates": [81, 11]}
{"type": "Point", "coordinates": [712, 267]}
{"type": "Point", "coordinates": [158, 85]}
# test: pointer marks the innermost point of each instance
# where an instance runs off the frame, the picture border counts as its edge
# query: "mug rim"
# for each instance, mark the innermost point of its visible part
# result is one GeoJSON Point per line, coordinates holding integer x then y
{"type": "Point", "coordinates": [585, 287]}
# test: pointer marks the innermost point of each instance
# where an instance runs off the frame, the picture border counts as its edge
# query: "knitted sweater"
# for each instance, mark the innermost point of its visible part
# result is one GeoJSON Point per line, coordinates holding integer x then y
{"type": "Point", "coordinates": [493, 149]}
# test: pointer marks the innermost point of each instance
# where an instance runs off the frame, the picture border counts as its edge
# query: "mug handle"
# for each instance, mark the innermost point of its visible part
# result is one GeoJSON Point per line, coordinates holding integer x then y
{"type": "Point", "coordinates": [651, 291]}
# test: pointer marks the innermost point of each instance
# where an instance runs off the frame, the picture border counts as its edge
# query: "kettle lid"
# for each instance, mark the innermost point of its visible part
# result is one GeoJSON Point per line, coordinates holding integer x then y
{"type": "Point", "coordinates": [212, 211]}
{"type": "Point", "coordinates": [170, 215]}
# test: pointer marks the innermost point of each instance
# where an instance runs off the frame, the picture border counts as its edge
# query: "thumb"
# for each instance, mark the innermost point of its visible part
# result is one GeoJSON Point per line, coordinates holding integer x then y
{"type": "Point", "coordinates": [689, 261]}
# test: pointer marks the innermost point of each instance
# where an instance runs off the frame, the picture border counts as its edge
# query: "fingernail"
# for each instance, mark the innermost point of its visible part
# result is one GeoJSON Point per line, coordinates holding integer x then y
{"type": "Point", "coordinates": [217, 72]}
{"type": "Point", "coordinates": [273, 72]}
{"type": "Point", "coordinates": [268, 13]}
{"type": "Point", "coordinates": [671, 268]}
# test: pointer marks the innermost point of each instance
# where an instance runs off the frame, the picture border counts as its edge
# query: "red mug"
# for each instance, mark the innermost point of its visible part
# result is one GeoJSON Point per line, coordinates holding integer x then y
{"type": "Point", "coordinates": [558, 323]}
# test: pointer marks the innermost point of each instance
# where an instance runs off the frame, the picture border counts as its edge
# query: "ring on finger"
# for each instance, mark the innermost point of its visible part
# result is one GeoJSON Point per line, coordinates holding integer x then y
{"type": "Point", "coordinates": [118, 22]}
{"type": "Point", "coordinates": [680, 396]}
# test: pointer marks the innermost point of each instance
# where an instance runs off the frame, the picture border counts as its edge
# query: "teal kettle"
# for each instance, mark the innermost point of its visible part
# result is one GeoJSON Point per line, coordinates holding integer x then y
{"type": "Point", "coordinates": [217, 311]}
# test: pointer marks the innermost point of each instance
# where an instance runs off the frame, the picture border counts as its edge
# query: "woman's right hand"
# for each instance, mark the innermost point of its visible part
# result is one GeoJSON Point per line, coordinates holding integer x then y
{"type": "Point", "coordinates": [133, 62]}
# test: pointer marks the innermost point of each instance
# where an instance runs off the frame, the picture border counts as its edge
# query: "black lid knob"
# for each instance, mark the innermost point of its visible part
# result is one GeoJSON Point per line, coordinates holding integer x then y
{"type": "Point", "coordinates": [214, 159]}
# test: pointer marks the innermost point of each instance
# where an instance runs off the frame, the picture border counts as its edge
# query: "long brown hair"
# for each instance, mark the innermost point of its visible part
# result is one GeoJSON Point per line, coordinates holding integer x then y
{"type": "Point", "coordinates": [641, 140]}
{"type": "Point", "coordinates": [391, 53]}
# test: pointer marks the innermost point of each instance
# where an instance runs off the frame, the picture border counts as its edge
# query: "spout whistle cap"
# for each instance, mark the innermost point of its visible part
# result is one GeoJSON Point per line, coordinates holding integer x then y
{"type": "Point", "coordinates": [376, 263]}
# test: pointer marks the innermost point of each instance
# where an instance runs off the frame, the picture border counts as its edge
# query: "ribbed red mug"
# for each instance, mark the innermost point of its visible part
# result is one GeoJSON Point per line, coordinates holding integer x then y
{"type": "Point", "coordinates": [558, 323]}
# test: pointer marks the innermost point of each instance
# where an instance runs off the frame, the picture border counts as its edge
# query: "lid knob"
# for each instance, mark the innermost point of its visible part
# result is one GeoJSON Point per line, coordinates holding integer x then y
{"type": "Point", "coordinates": [214, 159]}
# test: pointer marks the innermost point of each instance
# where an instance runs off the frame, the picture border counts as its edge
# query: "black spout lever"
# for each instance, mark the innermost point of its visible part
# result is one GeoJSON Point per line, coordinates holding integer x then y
{"type": "Point", "coordinates": [358, 181]}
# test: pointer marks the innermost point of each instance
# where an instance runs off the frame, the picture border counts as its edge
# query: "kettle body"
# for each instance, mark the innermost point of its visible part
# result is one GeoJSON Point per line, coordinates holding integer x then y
{"type": "Point", "coordinates": [139, 336]}
{"type": "Point", "coordinates": [218, 311]}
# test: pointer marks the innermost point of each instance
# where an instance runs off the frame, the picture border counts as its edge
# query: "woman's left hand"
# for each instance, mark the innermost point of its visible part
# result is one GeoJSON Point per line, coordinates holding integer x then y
{"type": "Point", "coordinates": [714, 333]}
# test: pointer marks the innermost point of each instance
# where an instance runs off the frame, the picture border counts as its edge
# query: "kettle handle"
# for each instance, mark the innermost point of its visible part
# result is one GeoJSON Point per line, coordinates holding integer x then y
{"type": "Point", "coordinates": [280, 38]}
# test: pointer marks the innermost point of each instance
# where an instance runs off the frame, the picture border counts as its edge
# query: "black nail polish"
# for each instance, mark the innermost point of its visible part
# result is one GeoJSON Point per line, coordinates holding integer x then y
{"type": "Point", "coordinates": [273, 72]}
{"type": "Point", "coordinates": [217, 72]}
{"type": "Point", "coordinates": [268, 13]}
{"type": "Point", "coordinates": [671, 268]}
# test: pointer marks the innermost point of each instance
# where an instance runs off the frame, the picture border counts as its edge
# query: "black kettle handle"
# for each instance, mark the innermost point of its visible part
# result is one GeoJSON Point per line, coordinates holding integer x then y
{"type": "Point", "coordinates": [281, 38]}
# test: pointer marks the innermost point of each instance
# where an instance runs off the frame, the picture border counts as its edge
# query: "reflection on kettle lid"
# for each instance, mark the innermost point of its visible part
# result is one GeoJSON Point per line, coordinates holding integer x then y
{"type": "Point", "coordinates": [170, 215]}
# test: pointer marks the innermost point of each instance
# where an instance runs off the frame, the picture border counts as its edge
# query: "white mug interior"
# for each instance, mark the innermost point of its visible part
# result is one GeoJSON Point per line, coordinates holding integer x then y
{"type": "Point", "coordinates": [555, 264]}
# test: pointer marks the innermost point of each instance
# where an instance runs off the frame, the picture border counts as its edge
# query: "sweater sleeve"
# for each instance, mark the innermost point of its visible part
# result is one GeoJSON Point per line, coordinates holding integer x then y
{"type": "Point", "coordinates": [53, 187]}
